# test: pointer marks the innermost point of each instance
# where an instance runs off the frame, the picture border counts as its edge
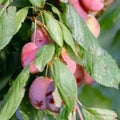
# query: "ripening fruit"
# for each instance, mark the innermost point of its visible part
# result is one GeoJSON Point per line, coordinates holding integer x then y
{"type": "Point", "coordinates": [93, 5]}
{"type": "Point", "coordinates": [50, 99]}
{"type": "Point", "coordinates": [38, 92]}
{"type": "Point", "coordinates": [66, 59]}
{"type": "Point", "coordinates": [39, 37]}
{"type": "Point", "coordinates": [33, 68]}
{"type": "Point", "coordinates": [28, 53]}
{"type": "Point", "coordinates": [93, 25]}
{"type": "Point", "coordinates": [79, 8]}
{"type": "Point", "coordinates": [87, 78]}
{"type": "Point", "coordinates": [79, 75]}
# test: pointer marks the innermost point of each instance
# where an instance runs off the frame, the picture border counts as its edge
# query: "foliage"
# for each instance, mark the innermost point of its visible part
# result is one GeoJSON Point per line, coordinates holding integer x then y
{"type": "Point", "coordinates": [65, 28]}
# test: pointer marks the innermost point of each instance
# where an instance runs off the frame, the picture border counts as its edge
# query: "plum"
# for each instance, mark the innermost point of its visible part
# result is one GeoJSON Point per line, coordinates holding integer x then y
{"type": "Point", "coordinates": [93, 5]}
{"type": "Point", "coordinates": [87, 78]}
{"type": "Point", "coordinates": [93, 25]}
{"type": "Point", "coordinates": [50, 99]}
{"type": "Point", "coordinates": [79, 75]}
{"type": "Point", "coordinates": [79, 8]}
{"type": "Point", "coordinates": [66, 59]}
{"type": "Point", "coordinates": [28, 53]}
{"type": "Point", "coordinates": [39, 37]}
{"type": "Point", "coordinates": [38, 91]}
{"type": "Point", "coordinates": [33, 68]}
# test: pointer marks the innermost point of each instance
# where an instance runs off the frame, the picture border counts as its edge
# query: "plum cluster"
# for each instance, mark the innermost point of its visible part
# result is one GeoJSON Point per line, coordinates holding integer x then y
{"type": "Point", "coordinates": [29, 50]}
{"type": "Point", "coordinates": [84, 7]}
{"type": "Point", "coordinates": [77, 70]}
{"type": "Point", "coordinates": [40, 92]}
{"type": "Point", "coordinates": [42, 88]}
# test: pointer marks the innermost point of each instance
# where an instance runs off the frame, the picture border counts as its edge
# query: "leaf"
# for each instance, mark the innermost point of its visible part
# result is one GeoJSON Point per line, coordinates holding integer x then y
{"type": "Point", "coordinates": [14, 95]}
{"type": "Point", "coordinates": [20, 16]}
{"type": "Point", "coordinates": [38, 3]}
{"type": "Point", "coordinates": [65, 83]}
{"type": "Point", "coordinates": [44, 55]}
{"type": "Point", "coordinates": [98, 114]}
{"type": "Point", "coordinates": [1, 1]}
{"type": "Point", "coordinates": [72, 55]}
{"type": "Point", "coordinates": [65, 1]}
{"type": "Point", "coordinates": [96, 60]}
{"type": "Point", "coordinates": [3, 7]}
{"type": "Point", "coordinates": [67, 36]}
{"type": "Point", "coordinates": [10, 22]}
{"type": "Point", "coordinates": [54, 29]}
{"type": "Point", "coordinates": [56, 11]}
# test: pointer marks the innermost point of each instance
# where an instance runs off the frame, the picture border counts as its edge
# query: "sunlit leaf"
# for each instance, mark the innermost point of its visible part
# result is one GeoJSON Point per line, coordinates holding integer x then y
{"type": "Point", "coordinates": [54, 29]}
{"type": "Point", "coordinates": [44, 55]}
{"type": "Point", "coordinates": [67, 36]}
{"type": "Point", "coordinates": [38, 3]}
{"type": "Point", "coordinates": [99, 114]}
{"type": "Point", "coordinates": [65, 83]}
{"type": "Point", "coordinates": [10, 22]}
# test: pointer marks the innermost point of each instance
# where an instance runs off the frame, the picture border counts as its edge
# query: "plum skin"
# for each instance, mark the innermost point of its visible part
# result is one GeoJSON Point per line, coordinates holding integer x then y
{"type": "Point", "coordinates": [39, 37]}
{"type": "Point", "coordinates": [93, 5]}
{"type": "Point", "coordinates": [37, 92]}
{"type": "Point", "coordinates": [40, 94]}
{"type": "Point", "coordinates": [93, 25]}
{"type": "Point", "coordinates": [28, 54]}
{"type": "Point", "coordinates": [69, 62]}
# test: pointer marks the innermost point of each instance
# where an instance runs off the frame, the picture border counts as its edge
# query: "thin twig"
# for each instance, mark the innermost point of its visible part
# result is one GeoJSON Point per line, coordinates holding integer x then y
{"type": "Point", "coordinates": [79, 113]}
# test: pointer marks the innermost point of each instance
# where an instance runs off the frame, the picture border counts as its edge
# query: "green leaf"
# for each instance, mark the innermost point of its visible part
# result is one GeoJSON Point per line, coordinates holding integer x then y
{"type": "Point", "coordinates": [96, 60]}
{"type": "Point", "coordinates": [65, 83]}
{"type": "Point", "coordinates": [38, 3]}
{"type": "Point", "coordinates": [1, 1]}
{"type": "Point", "coordinates": [44, 55]}
{"type": "Point", "coordinates": [56, 11]}
{"type": "Point", "coordinates": [65, 1]}
{"type": "Point", "coordinates": [72, 55]}
{"type": "Point", "coordinates": [98, 114]}
{"type": "Point", "coordinates": [67, 36]}
{"type": "Point", "coordinates": [14, 95]}
{"type": "Point", "coordinates": [54, 29]}
{"type": "Point", "coordinates": [3, 7]}
{"type": "Point", "coordinates": [14, 117]}
{"type": "Point", "coordinates": [10, 22]}
{"type": "Point", "coordinates": [20, 17]}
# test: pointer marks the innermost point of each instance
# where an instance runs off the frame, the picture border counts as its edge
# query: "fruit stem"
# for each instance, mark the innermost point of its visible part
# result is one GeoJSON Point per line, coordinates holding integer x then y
{"type": "Point", "coordinates": [35, 32]}
{"type": "Point", "coordinates": [79, 113]}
